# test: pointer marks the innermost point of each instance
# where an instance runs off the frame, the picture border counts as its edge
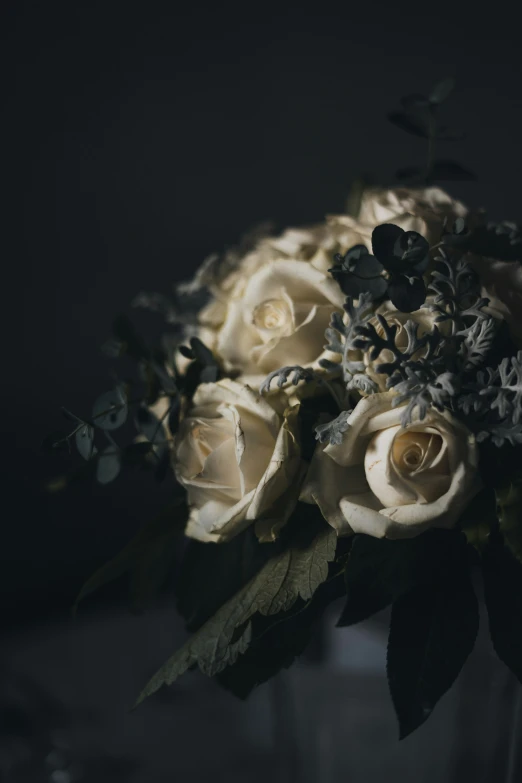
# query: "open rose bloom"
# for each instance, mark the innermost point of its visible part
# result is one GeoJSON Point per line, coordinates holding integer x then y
{"type": "Point", "coordinates": [342, 418]}
{"type": "Point", "coordinates": [238, 460]}
{"type": "Point", "coordinates": [386, 480]}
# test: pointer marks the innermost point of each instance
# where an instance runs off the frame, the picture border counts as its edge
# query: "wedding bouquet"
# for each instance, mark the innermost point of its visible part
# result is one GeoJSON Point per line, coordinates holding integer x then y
{"type": "Point", "coordinates": [339, 412]}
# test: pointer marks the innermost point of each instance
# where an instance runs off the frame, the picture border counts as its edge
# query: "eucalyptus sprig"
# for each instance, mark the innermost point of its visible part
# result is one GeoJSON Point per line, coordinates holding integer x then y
{"type": "Point", "coordinates": [420, 117]}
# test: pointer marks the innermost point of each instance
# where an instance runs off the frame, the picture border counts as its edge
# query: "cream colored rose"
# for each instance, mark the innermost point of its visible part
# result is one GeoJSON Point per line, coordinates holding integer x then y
{"type": "Point", "coordinates": [239, 460]}
{"type": "Point", "coordinates": [277, 317]}
{"type": "Point", "coordinates": [502, 285]}
{"type": "Point", "coordinates": [413, 209]}
{"type": "Point", "coordinates": [385, 480]}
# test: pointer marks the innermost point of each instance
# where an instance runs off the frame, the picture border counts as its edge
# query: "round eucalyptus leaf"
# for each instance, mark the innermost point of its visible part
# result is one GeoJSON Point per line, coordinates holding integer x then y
{"type": "Point", "coordinates": [459, 226]}
{"type": "Point", "coordinates": [409, 122]}
{"type": "Point", "coordinates": [384, 240]}
{"type": "Point", "coordinates": [85, 441]}
{"type": "Point", "coordinates": [415, 101]}
{"type": "Point", "coordinates": [351, 258]}
{"type": "Point", "coordinates": [352, 285]}
{"type": "Point", "coordinates": [413, 250]}
{"type": "Point", "coordinates": [367, 267]}
{"type": "Point", "coordinates": [407, 294]}
{"type": "Point", "coordinates": [109, 465]}
{"type": "Point", "coordinates": [110, 410]}
{"type": "Point", "coordinates": [442, 90]}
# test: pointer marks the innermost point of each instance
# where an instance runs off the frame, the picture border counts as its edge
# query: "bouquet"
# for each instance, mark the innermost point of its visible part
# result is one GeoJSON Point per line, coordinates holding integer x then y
{"type": "Point", "coordinates": [338, 410]}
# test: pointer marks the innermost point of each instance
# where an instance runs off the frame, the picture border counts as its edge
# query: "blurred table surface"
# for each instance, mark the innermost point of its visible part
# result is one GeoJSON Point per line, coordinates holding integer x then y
{"type": "Point", "coordinates": [66, 688]}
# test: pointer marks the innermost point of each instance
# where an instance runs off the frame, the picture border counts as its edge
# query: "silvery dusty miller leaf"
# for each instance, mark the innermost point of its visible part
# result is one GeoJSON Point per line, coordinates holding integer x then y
{"type": "Point", "coordinates": [292, 574]}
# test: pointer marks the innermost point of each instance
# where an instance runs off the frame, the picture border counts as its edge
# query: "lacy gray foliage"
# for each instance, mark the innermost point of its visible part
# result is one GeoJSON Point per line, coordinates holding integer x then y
{"type": "Point", "coordinates": [283, 376]}
{"type": "Point", "coordinates": [333, 431]}
{"type": "Point", "coordinates": [422, 388]}
{"type": "Point", "coordinates": [494, 400]}
{"type": "Point", "coordinates": [342, 339]}
{"type": "Point", "coordinates": [455, 287]}
{"type": "Point", "coordinates": [477, 342]}
{"type": "Point", "coordinates": [418, 372]}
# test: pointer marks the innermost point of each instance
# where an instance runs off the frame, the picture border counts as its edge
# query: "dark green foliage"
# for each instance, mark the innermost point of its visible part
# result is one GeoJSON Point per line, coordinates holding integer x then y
{"type": "Point", "coordinates": [380, 570]}
{"type": "Point", "coordinates": [212, 574]}
{"type": "Point", "coordinates": [402, 254]}
{"type": "Point", "coordinates": [294, 574]}
{"type": "Point", "coordinates": [502, 241]}
{"type": "Point", "coordinates": [278, 641]}
{"type": "Point", "coordinates": [441, 171]}
{"type": "Point", "coordinates": [108, 465]}
{"type": "Point", "coordinates": [432, 632]}
{"type": "Point", "coordinates": [503, 587]}
{"type": "Point", "coordinates": [420, 117]}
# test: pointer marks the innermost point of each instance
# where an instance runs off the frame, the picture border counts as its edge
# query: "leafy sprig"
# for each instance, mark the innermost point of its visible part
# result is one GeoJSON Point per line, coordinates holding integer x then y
{"type": "Point", "coordinates": [341, 336]}
{"type": "Point", "coordinates": [419, 116]}
{"type": "Point", "coordinates": [494, 402]}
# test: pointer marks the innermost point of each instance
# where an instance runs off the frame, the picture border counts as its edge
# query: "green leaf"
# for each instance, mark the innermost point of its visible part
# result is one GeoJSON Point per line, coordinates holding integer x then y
{"type": "Point", "coordinates": [442, 90]}
{"type": "Point", "coordinates": [278, 641]}
{"type": "Point", "coordinates": [108, 465]}
{"type": "Point", "coordinates": [415, 101]}
{"type": "Point", "coordinates": [226, 567]}
{"type": "Point", "coordinates": [142, 555]}
{"type": "Point", "coordinates": [502, 589]}
{"type": "Point", "coordinates": [509, 510]}
{"type": "Point", "coordinates": [411, 174]}
{"type": "Point", "coordinates": [449, 170]}
{"type": "Point", "coordinates": [295, 573]}
{"type": "Point", "coordinates": [432, 632]}
{"type": "Point", "coordinates": [410, 123]}
{"type": "Point", "coordinates": [110, 410]}
{"type": "Point", "coordinates": [380, 570]}
{"type": "Point", "coordinates": [84, 439]}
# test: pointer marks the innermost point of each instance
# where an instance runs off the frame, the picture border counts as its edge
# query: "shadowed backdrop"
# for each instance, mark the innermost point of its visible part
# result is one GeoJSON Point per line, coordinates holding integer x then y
{"type": "Point", "coordinates": [140, 139]}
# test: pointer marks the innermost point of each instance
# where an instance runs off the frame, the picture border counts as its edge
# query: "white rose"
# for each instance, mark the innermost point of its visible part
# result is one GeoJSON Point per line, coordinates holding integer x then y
{"type": "Point", "coordinates": [239, 460]}
{"type": "Point", "coordinates": [277, 317]}
{"type": "Point", "coordinates": [502, 285]}
{"type": "Point", "coordinates": [413, 209]}
{"type": "Point", "coordinates": [388, 481]}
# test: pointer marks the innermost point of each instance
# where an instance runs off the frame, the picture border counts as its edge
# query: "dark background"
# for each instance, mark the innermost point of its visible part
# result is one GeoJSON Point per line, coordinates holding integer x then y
{"type": "Point", "coordinates": [141, 138]}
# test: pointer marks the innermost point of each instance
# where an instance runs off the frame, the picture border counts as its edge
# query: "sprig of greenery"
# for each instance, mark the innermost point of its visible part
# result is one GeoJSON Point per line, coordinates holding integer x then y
{"type": "Point", "coordinates": [419, 116]}
{"type": "Point", "coordinates": [341, 336]}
